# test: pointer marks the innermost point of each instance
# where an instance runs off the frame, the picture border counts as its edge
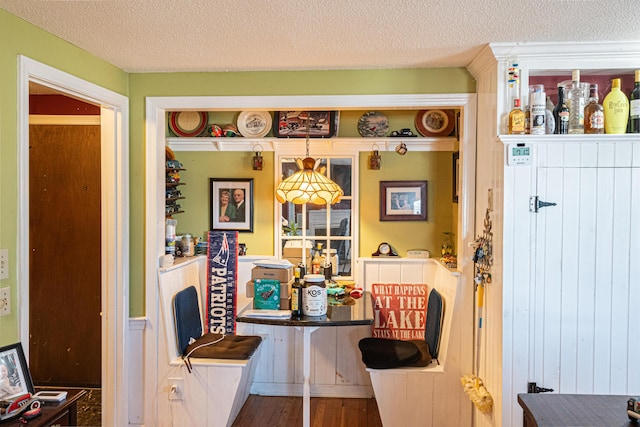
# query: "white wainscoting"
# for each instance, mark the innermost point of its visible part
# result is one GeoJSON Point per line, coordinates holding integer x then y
{"type": "Point", "coordinates": [135, 355]}
{"type": "Point", "coordinates": [427, 397]}
{"type": "Point", "coordinates": [337, 369]}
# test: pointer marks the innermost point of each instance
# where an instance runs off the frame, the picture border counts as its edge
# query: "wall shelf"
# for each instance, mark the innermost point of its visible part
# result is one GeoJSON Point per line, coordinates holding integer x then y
{"type": "Point", "coordinates": [568, 139]}
{"type": "Point", "coordinates": [276, 144]}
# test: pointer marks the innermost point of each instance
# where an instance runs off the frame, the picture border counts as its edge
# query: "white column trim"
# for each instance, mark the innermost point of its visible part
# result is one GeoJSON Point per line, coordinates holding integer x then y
{"type": "Point", "coordinates": [115, 223]}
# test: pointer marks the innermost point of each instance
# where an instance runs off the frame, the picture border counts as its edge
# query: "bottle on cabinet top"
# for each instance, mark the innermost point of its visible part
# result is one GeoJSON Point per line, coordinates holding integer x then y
{"type": "Point", "coordinates": [516, 119]}
{"type": "Point", "coordinates": [550, 120]}
{"type": "Point", "coordinates": [561, 113]}
{"type": "Point", "coordinates": [616, 109]}
{"type": "Point", "coordinates": [576, 104]}
{"type": "Point", "coordinates": [537, 102]}
{"type": "Point", "coordinates": [634, 106]}
{"type": "Point", "coordinates": [593, 113]}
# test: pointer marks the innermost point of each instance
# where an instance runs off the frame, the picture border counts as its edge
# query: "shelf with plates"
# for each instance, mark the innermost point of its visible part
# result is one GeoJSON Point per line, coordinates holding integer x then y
{"type": "Point", "coordinates": [359, 130]}
{"type": "Point", "coordinates": [447, 143]}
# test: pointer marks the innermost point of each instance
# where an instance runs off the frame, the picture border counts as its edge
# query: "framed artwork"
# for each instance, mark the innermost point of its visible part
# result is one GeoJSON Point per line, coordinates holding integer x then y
{"type": "Point", "coordinates": [15, 377]}
{"type": "Point", "coordinates": [403, 200]}
{"type": "Point", "coordinates": [293, 124]}
{"type": "Point", "coordinates": [456, 175]}
{"type": "Point", "coordinates": [231, 204]}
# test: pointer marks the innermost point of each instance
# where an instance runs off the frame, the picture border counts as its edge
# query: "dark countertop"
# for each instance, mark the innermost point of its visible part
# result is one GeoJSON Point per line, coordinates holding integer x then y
{"type": "Point", "coordinates": [590, 410]}
{"type": "Point", "coordinates": [345, 315]}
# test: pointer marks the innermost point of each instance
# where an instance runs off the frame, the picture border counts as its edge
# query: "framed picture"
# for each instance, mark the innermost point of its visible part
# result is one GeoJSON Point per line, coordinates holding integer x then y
{"type": "Point", "coordinates": [403, 200]}
{"type": "Point", "coordinates": [15, 377]}
{"type": "Point", "coordinates": [231, 204]}
{"type": "Point", "coordinates": [456, 175]}
{"type": "Point", "coordinates": [293, 124]}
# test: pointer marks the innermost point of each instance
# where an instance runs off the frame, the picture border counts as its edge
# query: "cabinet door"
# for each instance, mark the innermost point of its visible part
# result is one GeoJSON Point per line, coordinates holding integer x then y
{"type": "Point", "coordinates": [584, 280]}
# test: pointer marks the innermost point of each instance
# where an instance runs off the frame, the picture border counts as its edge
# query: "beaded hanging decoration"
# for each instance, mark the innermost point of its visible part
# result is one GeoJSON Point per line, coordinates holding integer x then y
{"type": "Point", "coordinates": [483, 255]}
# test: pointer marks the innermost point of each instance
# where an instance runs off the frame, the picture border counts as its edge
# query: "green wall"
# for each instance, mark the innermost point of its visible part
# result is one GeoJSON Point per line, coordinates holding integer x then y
{"type": "Point", "coordinates": [434, 167]}
{"type": "Point", "coordinates": [20, 38]}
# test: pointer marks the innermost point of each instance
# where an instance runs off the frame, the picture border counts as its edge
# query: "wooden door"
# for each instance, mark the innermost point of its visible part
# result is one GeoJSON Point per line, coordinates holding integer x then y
{"type": "Point", "coordinates": [584, 319]}
{"type": "Point", "coordinates": [65, 261]}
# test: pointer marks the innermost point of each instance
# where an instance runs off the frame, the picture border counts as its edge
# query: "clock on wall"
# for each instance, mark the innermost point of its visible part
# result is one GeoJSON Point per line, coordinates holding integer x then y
{"type": "Point", "coordinates": [385, 249]}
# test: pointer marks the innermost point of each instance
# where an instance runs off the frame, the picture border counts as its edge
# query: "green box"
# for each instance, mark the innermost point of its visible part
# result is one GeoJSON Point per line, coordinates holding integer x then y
{"type": "Point", "coordinates": [266, 294]}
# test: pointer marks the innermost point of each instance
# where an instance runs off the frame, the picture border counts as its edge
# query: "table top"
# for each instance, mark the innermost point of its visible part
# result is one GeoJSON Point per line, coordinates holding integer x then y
{"type": "Point", "coordinates": [592, 410]}
{"type": "Point", "coordinates": [361, 313]}
{"type": "Point", "coordinates": [50, 410]}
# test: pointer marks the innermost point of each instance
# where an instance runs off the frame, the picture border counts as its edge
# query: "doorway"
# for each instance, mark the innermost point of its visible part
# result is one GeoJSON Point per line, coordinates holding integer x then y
{"type": "Point", "coordinates": [114, 229]}
{"type": "Point", "coordinates": [64, 234]}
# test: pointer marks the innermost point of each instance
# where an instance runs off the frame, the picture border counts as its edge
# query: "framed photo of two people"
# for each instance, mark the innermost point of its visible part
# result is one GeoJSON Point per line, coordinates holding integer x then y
{"type": "Point", "coordinates": [231, 204]}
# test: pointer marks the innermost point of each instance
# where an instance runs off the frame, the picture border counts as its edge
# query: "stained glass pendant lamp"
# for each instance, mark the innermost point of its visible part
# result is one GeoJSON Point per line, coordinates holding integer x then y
{"type": "Point", "coordinates": [309, 184]}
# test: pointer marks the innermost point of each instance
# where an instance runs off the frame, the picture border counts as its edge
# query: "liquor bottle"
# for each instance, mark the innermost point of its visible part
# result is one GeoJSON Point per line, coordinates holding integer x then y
{"type": "Point", "coordinates": [315, 262]}
{"type": "Point", "coordinates": [616, 109]}
{"type": "Point", "coordinates": [516, 119]}
{"type": "Point", "coordinates": [561, 113]}
{"type": "Point", "coordinates": [296, 295]}
{"type": "Point", "coordinates": [634, 106]}
{"type": "Point", "coordinates": [576, 104]}
{"type": "Point", "coordinates": [537, 102]}
{"type": "Point", "coordinates": [527, 120]}
{"type": "Point", "coordinates": [550, 120]}
{"type": "Point", "coordinates": [593, 113]}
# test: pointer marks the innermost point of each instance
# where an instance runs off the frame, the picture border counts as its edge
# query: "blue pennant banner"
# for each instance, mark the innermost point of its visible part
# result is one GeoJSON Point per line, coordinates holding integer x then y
{"type": "Point", "coordinates": [222, 277]}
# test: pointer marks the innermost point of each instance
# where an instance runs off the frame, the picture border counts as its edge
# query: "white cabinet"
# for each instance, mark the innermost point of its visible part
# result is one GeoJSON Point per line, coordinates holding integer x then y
{"type": "Point", "coordinates": [559, 310]}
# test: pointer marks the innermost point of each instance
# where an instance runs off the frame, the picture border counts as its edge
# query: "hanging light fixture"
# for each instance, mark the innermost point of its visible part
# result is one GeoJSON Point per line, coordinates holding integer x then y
{"type": "Point", "coordinates": [309, 184]}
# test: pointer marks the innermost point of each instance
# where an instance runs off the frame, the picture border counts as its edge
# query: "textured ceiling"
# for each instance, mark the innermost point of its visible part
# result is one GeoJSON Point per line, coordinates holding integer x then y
{"type": "Point", "coordinates": [231, 35]}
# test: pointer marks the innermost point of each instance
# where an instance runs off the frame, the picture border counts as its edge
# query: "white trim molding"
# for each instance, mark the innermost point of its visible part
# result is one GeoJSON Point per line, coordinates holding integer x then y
{"type": "Point", "coordinates": [114, 121]}
{"type": "Point", "coordinates": [156, 140]}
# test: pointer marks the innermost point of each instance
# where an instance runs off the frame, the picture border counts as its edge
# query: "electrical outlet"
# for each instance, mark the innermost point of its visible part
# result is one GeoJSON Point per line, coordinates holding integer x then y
{"type": "Point", "coordinates": [4, 263]}
{"type": "Point", "coordinates": [5, 301]}
{"type": "Point", "coordinates": [176, 388]}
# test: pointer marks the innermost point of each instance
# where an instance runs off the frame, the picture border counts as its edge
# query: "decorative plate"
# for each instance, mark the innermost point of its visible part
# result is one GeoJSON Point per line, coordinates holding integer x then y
{"type": "Point", "coordinates": [188, 123]}
{"type": "Point", "coordinates": [254, 124]}
{"type": "Point", "coordinates": [435, 122]}
{"type": "Point", "coordinates": [373, 124]}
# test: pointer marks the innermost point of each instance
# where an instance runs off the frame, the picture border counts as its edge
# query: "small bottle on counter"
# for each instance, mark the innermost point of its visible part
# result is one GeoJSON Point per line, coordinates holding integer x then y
{"type": "Point", "coordinates": [188, 248]}
{"type": "Point", "coordinates": [296, 294]}
{"type": "Point", "coordinates": [316, 262]}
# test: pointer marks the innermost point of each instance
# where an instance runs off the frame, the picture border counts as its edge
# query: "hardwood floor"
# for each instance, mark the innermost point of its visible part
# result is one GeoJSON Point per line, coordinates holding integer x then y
{"type": "Point", "coordinates": [283, 411]}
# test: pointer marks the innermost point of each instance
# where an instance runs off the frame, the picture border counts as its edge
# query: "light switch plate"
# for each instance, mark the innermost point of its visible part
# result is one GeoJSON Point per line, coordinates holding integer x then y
{"type": "Point", "coordinates": [5, 301]}
{"type": "Point", "coordinates": [4, 263]}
